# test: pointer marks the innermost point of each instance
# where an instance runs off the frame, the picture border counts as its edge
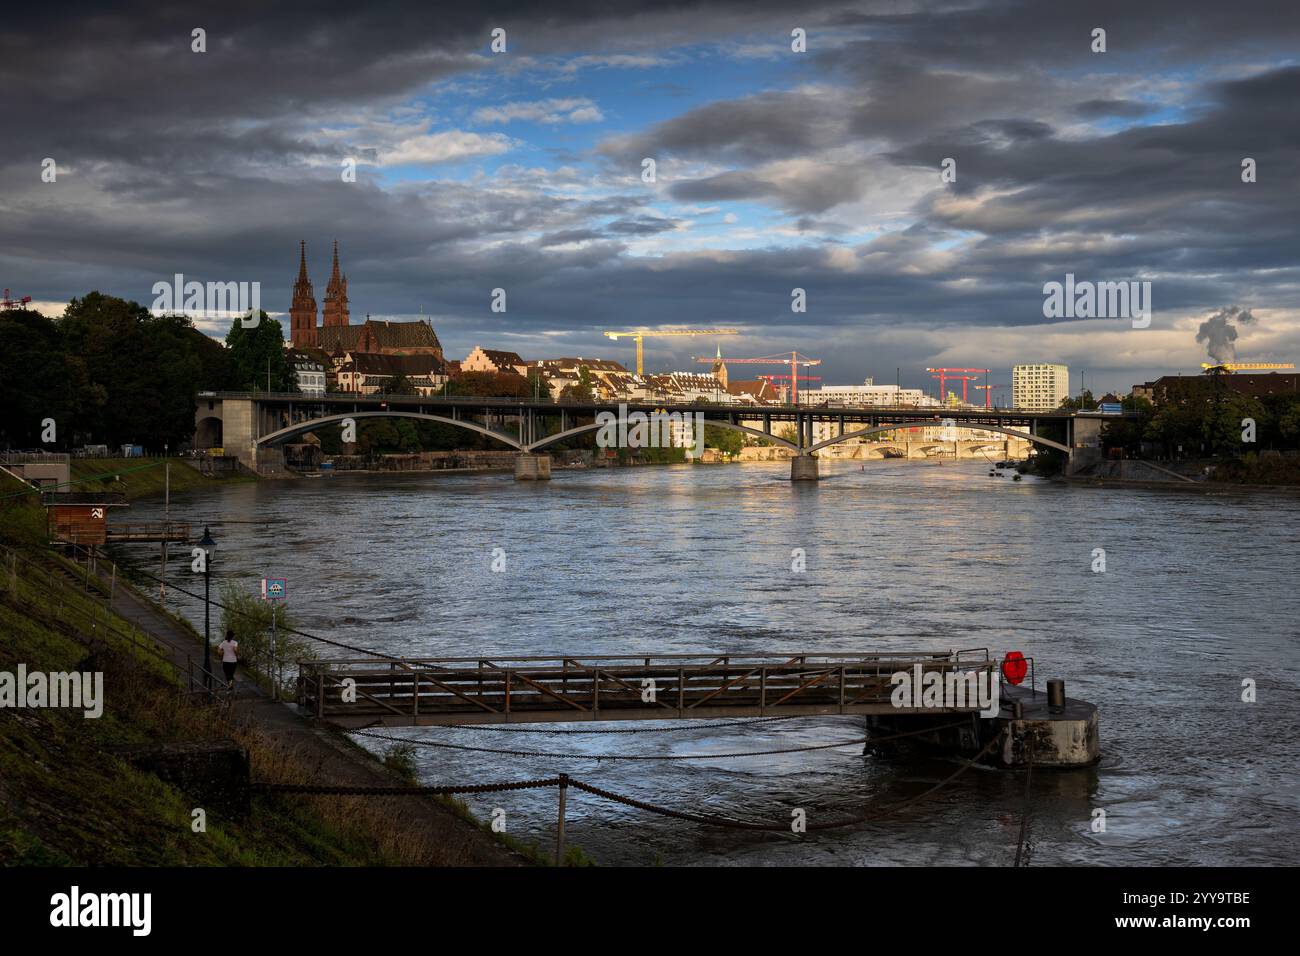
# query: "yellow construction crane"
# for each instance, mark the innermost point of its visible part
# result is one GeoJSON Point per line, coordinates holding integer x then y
{"type": "Point", "coordinates": [639, 334]}
{"type": "Point", "coordinates": [1230, 367]}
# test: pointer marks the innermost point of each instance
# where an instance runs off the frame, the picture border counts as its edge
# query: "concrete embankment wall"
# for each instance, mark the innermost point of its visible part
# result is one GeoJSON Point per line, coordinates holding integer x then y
{"type": "Point", "coordinates": [1175, 472]}
{"type": "Point", "coordinates": [447, 460]}
{"type": "Point", "coordinates": [870, 451]}
{"type": "Point", "coordinates": [1203, 475]}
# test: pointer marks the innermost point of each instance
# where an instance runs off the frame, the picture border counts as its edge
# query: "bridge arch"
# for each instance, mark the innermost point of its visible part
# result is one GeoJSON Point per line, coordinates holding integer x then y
{"type": "Point", "coordinates": [208, 432]}
{"type": "Point", "coordinates": [582, 429]}
{"type": "Point", "coordinates": [282, 434]}
{"type": "Point", "coordinates": [930, 422]}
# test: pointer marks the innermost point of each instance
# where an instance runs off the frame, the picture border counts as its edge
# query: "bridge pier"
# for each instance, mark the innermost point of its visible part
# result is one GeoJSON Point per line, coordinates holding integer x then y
{"type": "Point", "coordinates": [803, 468]}
{"type": "Point", "coordinates": [530, 467]}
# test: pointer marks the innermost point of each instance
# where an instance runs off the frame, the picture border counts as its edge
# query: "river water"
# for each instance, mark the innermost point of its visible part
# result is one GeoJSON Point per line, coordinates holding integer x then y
{"type": "Point", "coordinates": [1200, 592]}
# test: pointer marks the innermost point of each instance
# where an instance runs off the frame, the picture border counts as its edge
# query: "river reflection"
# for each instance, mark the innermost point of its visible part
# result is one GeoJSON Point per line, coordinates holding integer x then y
{"type": "Point", "coordinates": [1200, 592]}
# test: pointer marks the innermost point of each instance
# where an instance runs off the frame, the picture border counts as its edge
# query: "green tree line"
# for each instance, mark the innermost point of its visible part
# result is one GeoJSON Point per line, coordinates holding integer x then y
{"type": "Point", "coordinates": [107, 371]}
{"type": "Point", "coordinates": [1205, 418]}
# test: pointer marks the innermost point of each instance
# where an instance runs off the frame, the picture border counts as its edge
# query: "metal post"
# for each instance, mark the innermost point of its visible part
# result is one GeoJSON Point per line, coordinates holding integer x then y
{"type": "Point", "coordinates": [167, 522]}
{"type": "Point", "coordinates": [559, 823]}
{"type": "Point", "coordinates": [207, 614]}
{"type": "Point", "coordinates": [275, 692]}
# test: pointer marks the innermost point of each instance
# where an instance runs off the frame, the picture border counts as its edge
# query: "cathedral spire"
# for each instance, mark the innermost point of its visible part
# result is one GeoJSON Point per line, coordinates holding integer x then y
{"type": "Point", "coordinates": [336, 295]}
{"type": "Point", "coordinates": [302, 310]}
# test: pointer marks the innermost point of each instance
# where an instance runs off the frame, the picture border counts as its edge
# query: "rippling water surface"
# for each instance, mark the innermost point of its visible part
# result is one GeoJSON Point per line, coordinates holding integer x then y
{"type": "Point", "coordinates": [1200, 592]}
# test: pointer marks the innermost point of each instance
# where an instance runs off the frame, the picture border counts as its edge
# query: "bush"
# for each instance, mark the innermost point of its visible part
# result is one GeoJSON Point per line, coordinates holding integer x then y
{"type": "Point", "coordinates": [250, 618]}
{"type": "Point", "coordinates": [400, 758]}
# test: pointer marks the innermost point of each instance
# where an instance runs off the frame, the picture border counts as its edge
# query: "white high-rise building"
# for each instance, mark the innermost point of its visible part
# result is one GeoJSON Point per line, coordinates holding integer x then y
{"type": "Point", "coordinates": [1039, 388]}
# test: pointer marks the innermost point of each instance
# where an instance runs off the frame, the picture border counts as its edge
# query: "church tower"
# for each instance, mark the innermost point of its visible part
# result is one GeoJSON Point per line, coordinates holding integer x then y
{"type": "Point", "coordinates": [302, 313]}
{"type": "Point", "coordinates": [336, 295]}
{"type": "Point", "coordinates": [720, 368]}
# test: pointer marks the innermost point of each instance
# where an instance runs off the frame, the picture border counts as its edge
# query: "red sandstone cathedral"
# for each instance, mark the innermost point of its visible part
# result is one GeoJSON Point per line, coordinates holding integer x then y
{"type": "Point", "coordinates": [302, 313]}
{"type": "Point", "coordinates": [336, 337]}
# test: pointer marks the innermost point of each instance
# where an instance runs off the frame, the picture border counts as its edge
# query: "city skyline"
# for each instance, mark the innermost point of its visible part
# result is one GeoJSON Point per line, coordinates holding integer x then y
{"type": "Point", "coordinates": [775, 170]}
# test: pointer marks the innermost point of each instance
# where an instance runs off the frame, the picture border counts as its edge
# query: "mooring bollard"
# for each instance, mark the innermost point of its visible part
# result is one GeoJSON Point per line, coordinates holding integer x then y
{"type": "Point", "coordinates": [1056, 696]}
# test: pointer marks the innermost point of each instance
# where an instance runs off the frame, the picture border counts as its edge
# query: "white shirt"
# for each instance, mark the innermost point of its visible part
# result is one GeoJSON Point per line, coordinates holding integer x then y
{"type": "Point", "coordinates": [228, 649]}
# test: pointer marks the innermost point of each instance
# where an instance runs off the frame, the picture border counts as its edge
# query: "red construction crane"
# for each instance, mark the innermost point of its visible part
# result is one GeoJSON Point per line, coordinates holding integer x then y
{"type": "Point", "coordinates": [964, 379]}
{"type": "Point", "coordinates": [8, 303]}
{"type": "Point", "coordinates": [955, 373]}
{"type": "Point", "coordinates": [795, 361]}
{"type": "Point", "coordinates": [988, 393]}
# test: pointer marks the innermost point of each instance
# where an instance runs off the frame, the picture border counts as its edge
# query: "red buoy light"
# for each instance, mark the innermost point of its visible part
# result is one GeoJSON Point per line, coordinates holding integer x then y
{"type": "Point", "coordinates": [1015, 667]}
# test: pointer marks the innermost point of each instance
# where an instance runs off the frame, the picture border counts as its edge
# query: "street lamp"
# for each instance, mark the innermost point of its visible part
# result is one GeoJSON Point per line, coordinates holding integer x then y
{"type": "Point", "coordinates": [209, 546]}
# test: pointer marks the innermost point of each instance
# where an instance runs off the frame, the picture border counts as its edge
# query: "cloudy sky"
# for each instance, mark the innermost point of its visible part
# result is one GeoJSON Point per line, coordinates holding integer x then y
{"type": "Point", "coordinates": [775, 170]}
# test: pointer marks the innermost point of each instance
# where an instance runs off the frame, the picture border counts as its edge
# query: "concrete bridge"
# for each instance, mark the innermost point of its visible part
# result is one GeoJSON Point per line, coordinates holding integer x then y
{"type": "Point", "coordinates": [252, 425]}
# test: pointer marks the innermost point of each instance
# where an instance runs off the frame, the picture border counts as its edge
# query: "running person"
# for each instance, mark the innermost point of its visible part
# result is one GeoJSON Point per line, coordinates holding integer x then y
{"type": "Point", "coordinates": [229, 649]}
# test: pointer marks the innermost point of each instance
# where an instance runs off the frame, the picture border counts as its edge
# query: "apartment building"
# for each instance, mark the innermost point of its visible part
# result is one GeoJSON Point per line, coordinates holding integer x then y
{"type": "Point", "coordinates": [1040, 387]}
{"type": "Point", "coordinates": [865, 394]}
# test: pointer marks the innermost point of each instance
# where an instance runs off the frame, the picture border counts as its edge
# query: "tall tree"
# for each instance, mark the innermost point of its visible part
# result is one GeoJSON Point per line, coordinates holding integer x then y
{"type": "Point", "coordinates": [37, 382]}
{"type": "Point", "coordinates": [582, 390]}
{"type": "Point", "coordinates": [399, 384]}
{"type": "Point", "coordinates": [490, 385]}
{"type": "Point", "coordinates": [257, 356]}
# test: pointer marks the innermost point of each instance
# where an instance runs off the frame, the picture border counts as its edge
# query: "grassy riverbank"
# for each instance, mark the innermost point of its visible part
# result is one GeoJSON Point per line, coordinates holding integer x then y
{"type": "Point", "coordinates": [141, 477]}
{"type": "Point", "coordinates": [68, 798]}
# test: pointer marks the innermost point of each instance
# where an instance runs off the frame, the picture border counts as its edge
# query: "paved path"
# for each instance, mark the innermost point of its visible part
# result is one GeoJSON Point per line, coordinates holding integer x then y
{"type": "Point", "coordinates": [336, 760]}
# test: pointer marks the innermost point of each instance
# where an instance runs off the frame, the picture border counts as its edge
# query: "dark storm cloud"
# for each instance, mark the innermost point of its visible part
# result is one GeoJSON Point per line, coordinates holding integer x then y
{"type": "Point", "coordinates": [1010, 34]}
{"type": "Point", "coordinates": [1182, 181]}
{"type": "Point", "coordinates": [568, 236]}
{"type": "Point", "coordinates": [813, 190]}
{"type": "Point", "coordinates": [216, 165]}
{"type": "Point", "coordinates": [761, 127]}
{"type": "Point", "coordinates": [642, 226]}
{"type": "Point", "coordinates": [123, 82]}
{"type": "Point", "coordinates": [1125, 109]}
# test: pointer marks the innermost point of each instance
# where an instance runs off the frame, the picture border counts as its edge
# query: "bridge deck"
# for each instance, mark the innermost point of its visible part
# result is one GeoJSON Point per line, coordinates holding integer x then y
{"type": "Point", "coordinates": [361, 693]}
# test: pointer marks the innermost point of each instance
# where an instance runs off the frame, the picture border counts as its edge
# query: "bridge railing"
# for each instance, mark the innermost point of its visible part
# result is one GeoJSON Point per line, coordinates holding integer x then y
{"type": "Point", "coordinates": [34, 458]}
{"type": "Point", "coordinates": [528, 689]}
{"type": "Point", "coordinates": [150, 531]}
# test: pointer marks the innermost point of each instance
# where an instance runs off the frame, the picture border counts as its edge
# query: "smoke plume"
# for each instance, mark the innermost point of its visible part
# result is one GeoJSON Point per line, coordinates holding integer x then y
{"type": "Point", "coordinates": [1220, 335]}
